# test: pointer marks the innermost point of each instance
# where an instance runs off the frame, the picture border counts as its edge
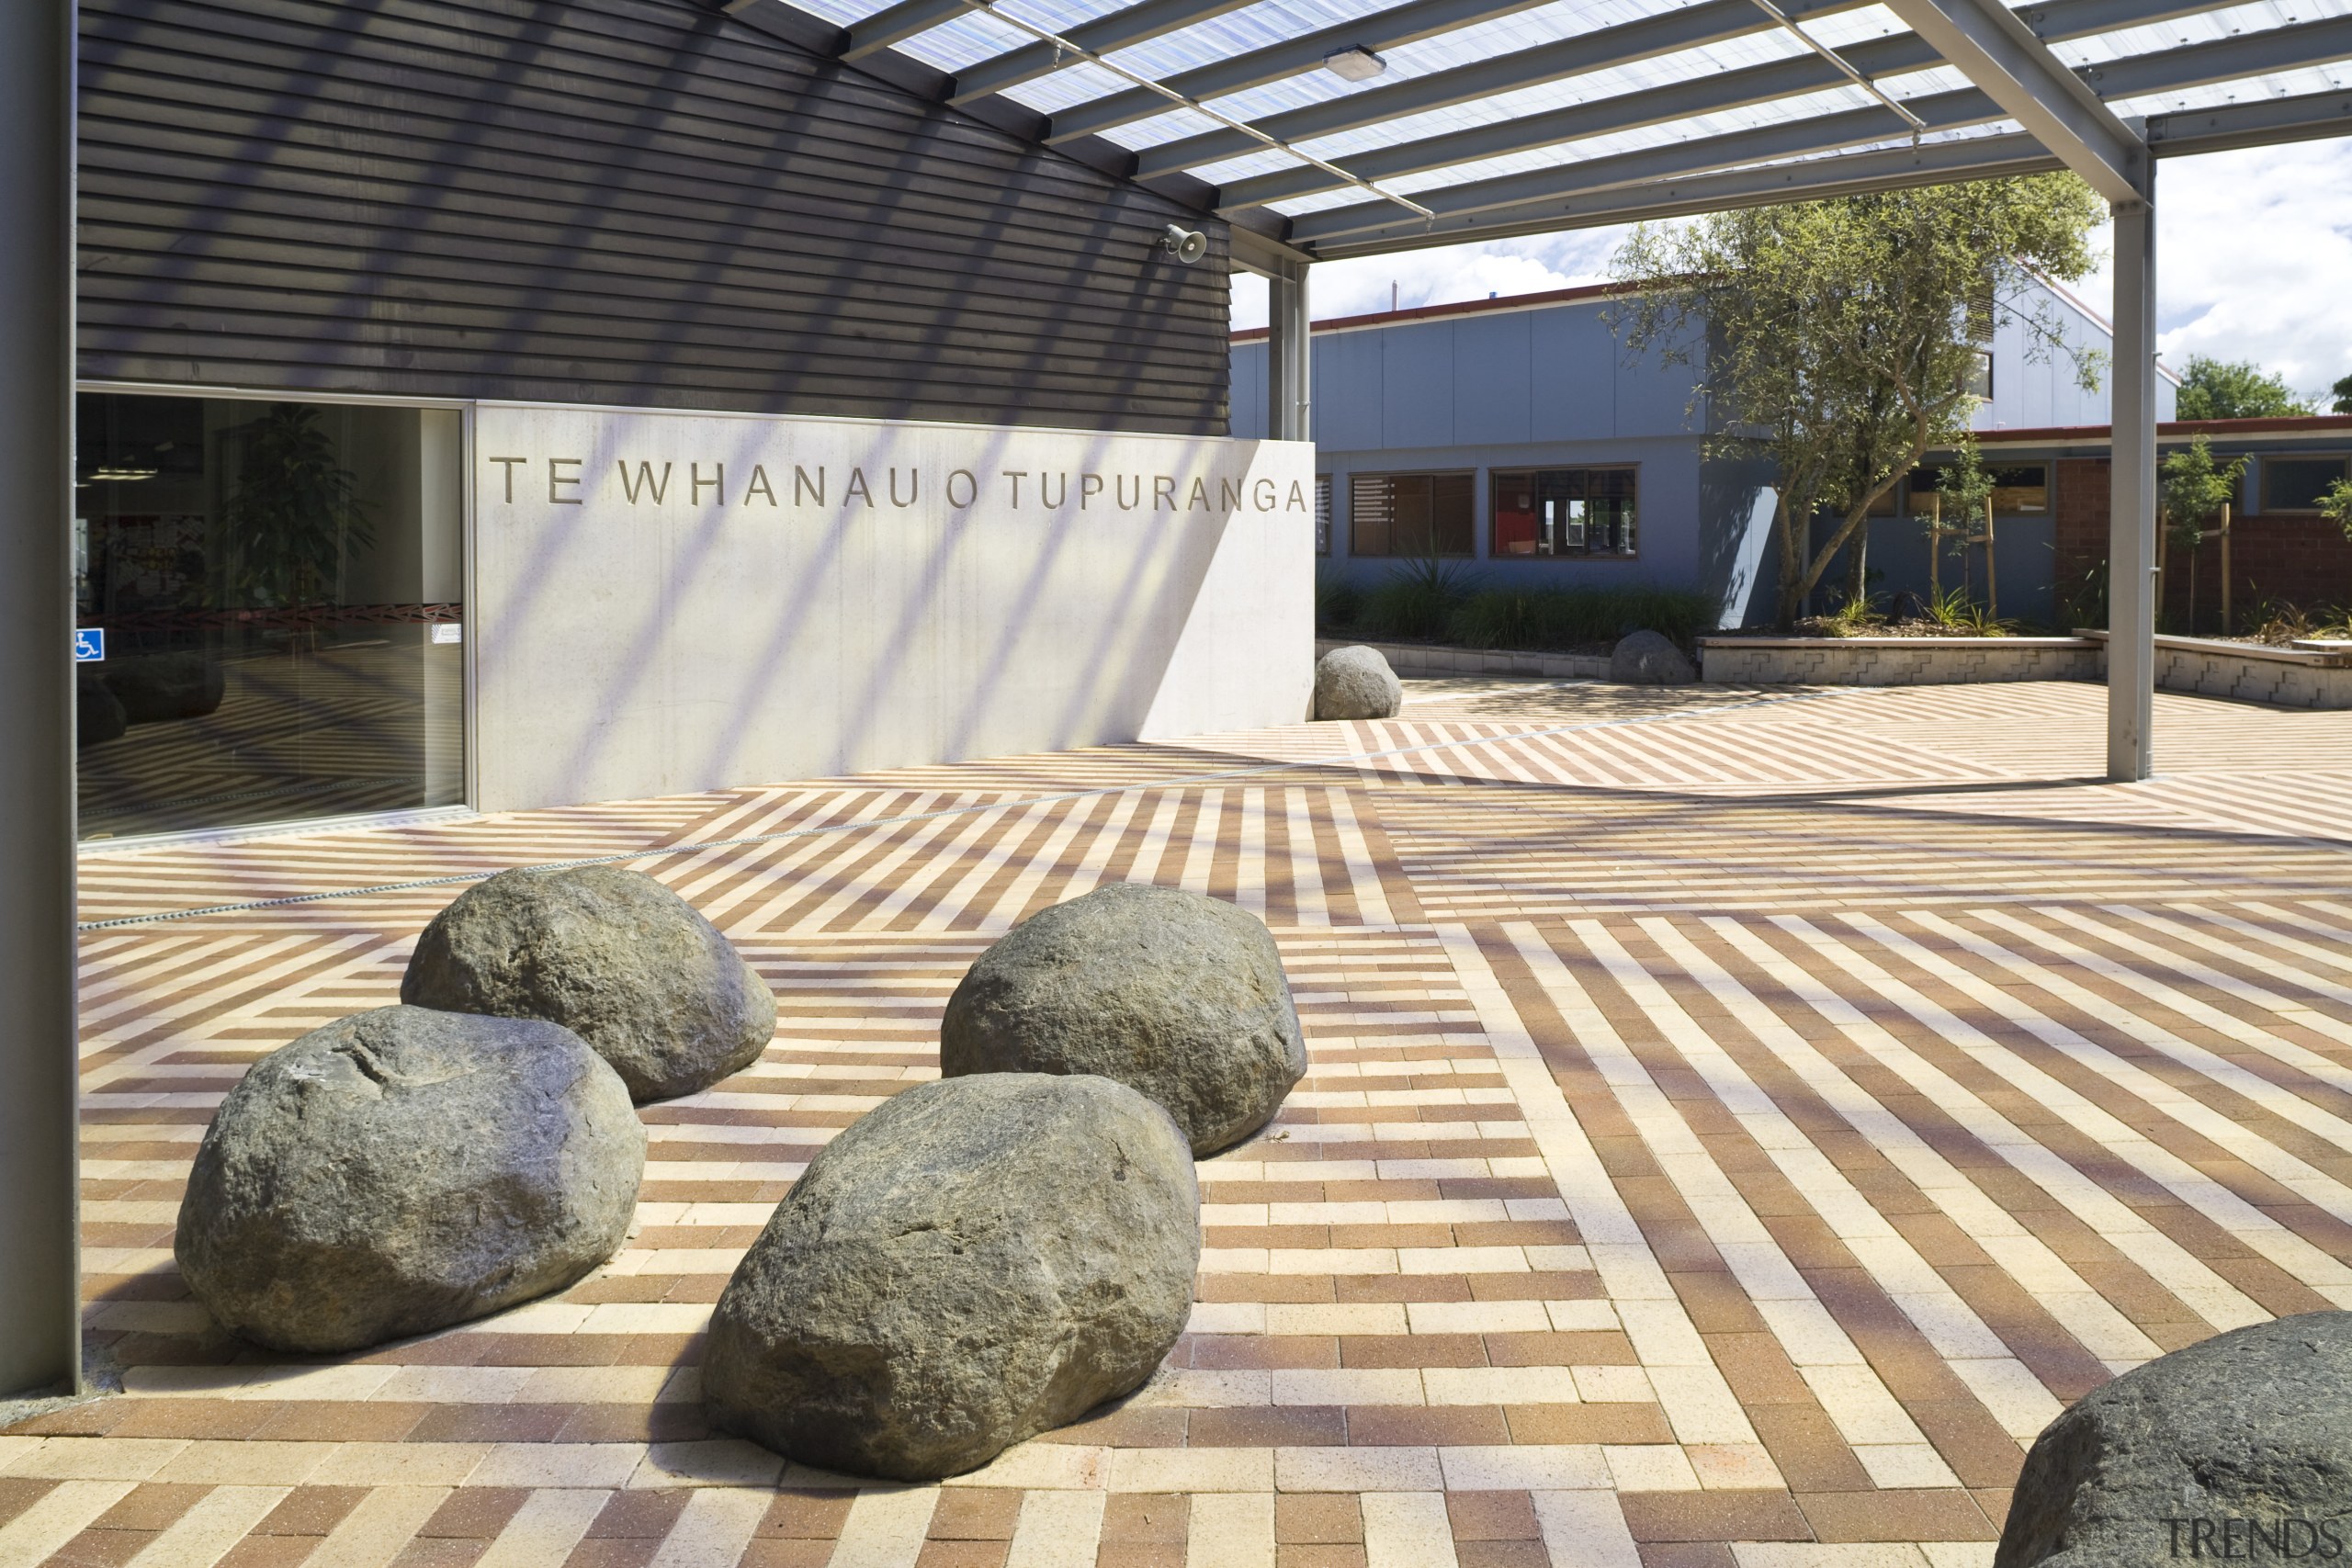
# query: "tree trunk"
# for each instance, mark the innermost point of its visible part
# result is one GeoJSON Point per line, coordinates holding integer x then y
{"type": "Point", "coordinates": [1935, 548]}
{"type": "Point", "coordinates": [1858, 566]}
{"type": "Point", "coordinates": [1992, 579]}
{"type": "Point", "coordinates": [2226, 627]}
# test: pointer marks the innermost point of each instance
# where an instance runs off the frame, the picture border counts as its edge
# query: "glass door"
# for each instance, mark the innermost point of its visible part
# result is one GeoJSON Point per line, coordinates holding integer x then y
{"type": "Point", "coordinates": [279, 595]}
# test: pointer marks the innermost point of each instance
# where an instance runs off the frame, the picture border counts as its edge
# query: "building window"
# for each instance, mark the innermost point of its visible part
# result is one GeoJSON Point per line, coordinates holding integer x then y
{"type": "Point", "coordinates": [278, 588]}
{"type": "Point", "coordinates": [1409, 514]}
{"type": "Point", "coordinates": [2295, 484]}
{"type": "Point", "coordinates": [1565, 512]}
{"type": "Point", "coordinates": [2018, 489]}
{"type": "Point", "coordinates": [1322, 514]}
{"type": "Point", "coordinates": [1977, 381]}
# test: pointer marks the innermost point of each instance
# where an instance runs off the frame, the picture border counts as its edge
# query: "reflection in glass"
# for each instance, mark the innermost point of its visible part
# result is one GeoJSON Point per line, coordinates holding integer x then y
{"type": "Point", "coordinates": [280, 589]}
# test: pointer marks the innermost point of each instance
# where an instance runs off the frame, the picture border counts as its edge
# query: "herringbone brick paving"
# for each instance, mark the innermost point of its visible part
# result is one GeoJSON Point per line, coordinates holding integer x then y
{"type": "Point", "coordinates": [1737, 1122]}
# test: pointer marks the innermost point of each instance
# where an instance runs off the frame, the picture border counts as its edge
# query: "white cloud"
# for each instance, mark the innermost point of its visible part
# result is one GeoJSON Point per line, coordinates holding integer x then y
{"type": "Point", "coordinates": [2254, 261]}
{"type": "Point", "coordinates": [1443, 277]}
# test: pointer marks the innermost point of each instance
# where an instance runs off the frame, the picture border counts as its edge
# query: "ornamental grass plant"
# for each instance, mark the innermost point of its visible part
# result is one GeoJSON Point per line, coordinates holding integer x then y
{"type": "Point", "coordinates": [1440, 600]}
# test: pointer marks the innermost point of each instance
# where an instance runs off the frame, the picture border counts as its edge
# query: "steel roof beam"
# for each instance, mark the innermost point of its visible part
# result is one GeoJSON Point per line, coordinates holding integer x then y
{"type": "Point", "coordinates": [2169, 69]}
{"type": "Point", "coordinates": [1851, 174]}
{"type": "Point", "coordinates": [1791, 138]}
{"type": "Point", "coordinates": [2193, 65]}
{"type": "Point", "coordinates": [1556, 62]}
{"type": "Point", "coordinates": [896, 24]}
{"type": "Point", "coordinates": [1381, 29]}
{"type": "Point", "coordinates": [1120, 30]}
{"type": "Point", "coordinates": [1787, 78]}
{"type": "Point", "coordinates": [1996, 49]}
{"type": "Point", "coordinates": [2223, 60]}
{"type": "Point", "coordinates": [2263, 123]}
{"type": "Point", "coordinates": [1692, 27]}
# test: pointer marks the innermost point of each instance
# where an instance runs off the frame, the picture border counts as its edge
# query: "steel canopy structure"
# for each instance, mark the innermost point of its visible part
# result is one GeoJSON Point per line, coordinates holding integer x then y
{"type": "Point", "coordinates": [1487, 118]}
{"type": "Point", "coordinates": [1507, 117]}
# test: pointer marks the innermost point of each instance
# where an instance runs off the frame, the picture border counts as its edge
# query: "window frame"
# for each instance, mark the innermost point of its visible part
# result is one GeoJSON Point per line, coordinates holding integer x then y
{"type": "Point", "coordinates": [1355, 476]}
{"type": "Point", "coordinates": [2342, 460]}
{"type": "Point", "coordinates": [1533, 473]}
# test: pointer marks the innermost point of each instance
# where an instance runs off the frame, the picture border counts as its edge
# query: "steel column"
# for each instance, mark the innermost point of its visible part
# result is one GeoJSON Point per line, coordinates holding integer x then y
{"type": "Point", "coordinates": [2131, 480]}
{"type": "Point", "coordinates": [41, 1339]}
{"type": "Point", "coordinates": [1290, 356]}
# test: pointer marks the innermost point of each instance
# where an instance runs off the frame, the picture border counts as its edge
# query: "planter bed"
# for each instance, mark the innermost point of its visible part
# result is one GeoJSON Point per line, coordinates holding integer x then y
{"type": "Point", "coordinates": [1421, 661]}
{"type": "Point", "coordinates": [1896, 661]}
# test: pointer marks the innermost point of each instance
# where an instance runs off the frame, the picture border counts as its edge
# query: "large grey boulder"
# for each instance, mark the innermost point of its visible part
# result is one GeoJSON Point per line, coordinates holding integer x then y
{"type": "Point", "coordinates": [1175, 994]}
{"type": "Point", "coordinates": [612, 956]}
{"type": "Point", "coordinates": [2243, 1440]}
{"type": "Point", "coordinates": [97, 712]}
{"type": "Point", "coordinates": [1356, 682]}
{"type": "Point", "coordinates": [154, 687]}
{"type": "Point", "coordinates": [403, 1169]}
{"type": "Point", "coordinates": [971, 1263]}
{"type": "Point", "coordinates": [1650, 658]}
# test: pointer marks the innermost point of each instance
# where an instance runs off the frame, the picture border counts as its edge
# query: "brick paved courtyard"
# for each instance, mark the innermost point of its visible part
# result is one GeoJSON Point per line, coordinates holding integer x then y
{"type": "Point", "coordinates": [1737, 1122]}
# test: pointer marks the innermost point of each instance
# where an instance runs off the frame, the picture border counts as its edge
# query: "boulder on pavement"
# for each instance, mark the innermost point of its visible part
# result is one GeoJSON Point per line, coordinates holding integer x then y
{"type": "Point", "coordinates": [612, 956]}
{"type": "Point", "coordinates": [1175, 994]}
{"type": "Point", "coordinates": [1650, 658]}
{"type": "Point", "coordinates": [1356, 682]}
{"type": "Point", "coordinates": [2240, 1446]}
{"type": "Point", "coordinates": [158, 686]}
{"type": "Point", "coordinates": [97, 712]}
{"type": "Point", "coordinates": [403, 1169]}
{"type": "Point", "coordinates": [973, 1262]}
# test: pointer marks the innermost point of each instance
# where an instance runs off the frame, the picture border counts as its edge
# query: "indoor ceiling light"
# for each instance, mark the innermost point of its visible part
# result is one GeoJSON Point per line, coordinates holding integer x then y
{"type": "Point", "coordinates": [1357, 65]}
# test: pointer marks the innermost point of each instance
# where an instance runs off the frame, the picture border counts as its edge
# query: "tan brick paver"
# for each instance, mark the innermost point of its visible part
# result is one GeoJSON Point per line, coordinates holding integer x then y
{"type": "Point", "coordinates": [1738, 1121]}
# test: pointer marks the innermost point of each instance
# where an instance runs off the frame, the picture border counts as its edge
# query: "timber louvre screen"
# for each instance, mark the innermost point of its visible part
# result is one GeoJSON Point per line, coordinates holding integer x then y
{"type": "Point", "coordinates": [628, 202]}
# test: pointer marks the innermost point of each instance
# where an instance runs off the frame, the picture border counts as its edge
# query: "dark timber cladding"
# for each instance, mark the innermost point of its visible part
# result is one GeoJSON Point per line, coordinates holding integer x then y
{"type": "Point", "coordinates": [637, 202]}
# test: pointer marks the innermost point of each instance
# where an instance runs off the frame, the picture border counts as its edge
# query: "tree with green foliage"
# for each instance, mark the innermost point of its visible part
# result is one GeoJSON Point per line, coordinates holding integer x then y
{"type": "Point", "coordinates": [2238, 389]}
{"type": "Point", "coordinates": [2192, 490]}
{"type": "Point", "coordinates": [1837, 339]}
{"type": "Point", "coordinates": [292, 511]}
{"type": "Point", "coordinates": [2343, 390]}
{"type": "Point", "coordinates": [2335, 505]}
{"type": "Point", "coordinates": [1962, 488]}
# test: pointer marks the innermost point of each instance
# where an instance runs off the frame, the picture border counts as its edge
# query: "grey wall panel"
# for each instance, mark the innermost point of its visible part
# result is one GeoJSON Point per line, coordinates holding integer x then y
{"type": "Point", "coordinates": [637, 202]}
{"type": "Point", "coordinates": [1654, 397]}
{"type": "Point", "coordinates": [1572, 376]}
{"type": "Point", "coordinates": [1348, 390]}
{"type": "Point", "coordinates": [1416, 385]}
{"type": "Point", "coordinates": [1249, 389]}
{"type": "Point", "coordinates": [1491, 360]}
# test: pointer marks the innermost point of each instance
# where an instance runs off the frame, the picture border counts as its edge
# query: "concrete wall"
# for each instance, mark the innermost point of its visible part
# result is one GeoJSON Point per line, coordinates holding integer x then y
{"type": "Point", "coordinates": [960, 591]}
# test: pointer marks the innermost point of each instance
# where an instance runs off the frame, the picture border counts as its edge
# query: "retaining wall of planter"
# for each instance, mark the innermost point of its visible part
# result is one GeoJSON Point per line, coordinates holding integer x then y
{"type": "Point", "coordinates": [1424, 662]}
{"type": "Point", "coordinates": [1896, 661]}
{"type": "Point", "coordinates": [2303, 676]}
{"type": "Point", "coordinates": [2297, 676]}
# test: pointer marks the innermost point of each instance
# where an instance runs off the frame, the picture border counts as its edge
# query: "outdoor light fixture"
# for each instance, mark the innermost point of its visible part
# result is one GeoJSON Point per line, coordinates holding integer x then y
{"type": "Point", "coordinates": [1357, 65]}
{"type": "Point", "coordinates": [1187, 246]}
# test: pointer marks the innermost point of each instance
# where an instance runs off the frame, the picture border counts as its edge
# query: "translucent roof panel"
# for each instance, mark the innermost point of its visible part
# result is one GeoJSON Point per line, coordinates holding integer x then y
{"type": "Point", "coordinates": [1567, 98]}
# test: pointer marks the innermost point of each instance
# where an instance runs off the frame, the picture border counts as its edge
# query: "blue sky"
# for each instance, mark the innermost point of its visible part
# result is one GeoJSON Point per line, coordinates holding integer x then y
{"type": "Point", "coordinates": [2254, 262]}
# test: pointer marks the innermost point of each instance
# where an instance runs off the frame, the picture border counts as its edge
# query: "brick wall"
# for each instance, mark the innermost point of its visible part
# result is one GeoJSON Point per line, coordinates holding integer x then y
{"type": "Point", "coordinates": [2301, 560]}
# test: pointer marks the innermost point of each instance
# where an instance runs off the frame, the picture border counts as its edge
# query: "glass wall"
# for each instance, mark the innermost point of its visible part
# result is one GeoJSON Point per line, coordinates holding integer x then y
{"type": "Point", "coordinates": [280, 594]}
